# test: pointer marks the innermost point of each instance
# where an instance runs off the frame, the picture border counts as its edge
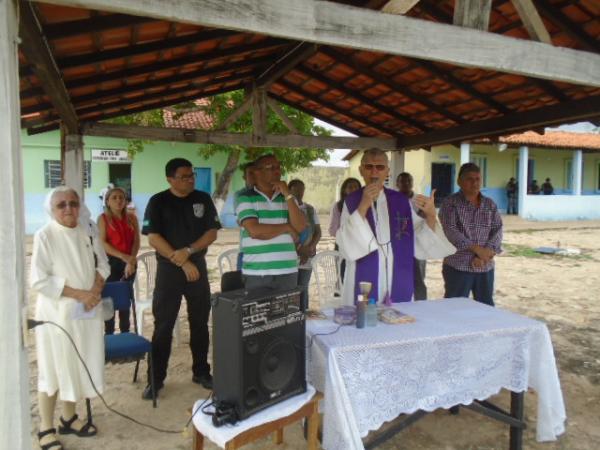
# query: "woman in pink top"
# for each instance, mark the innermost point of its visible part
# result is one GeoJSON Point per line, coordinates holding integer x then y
{"type": "Point", "coordinates": [119, 233]}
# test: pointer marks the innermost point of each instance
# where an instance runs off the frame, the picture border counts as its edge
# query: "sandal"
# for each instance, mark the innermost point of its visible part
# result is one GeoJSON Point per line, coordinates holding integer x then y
{"type": "Point", "coordinates": [50, 445]}
{"type": "Point", "coordinates": [87, 430]}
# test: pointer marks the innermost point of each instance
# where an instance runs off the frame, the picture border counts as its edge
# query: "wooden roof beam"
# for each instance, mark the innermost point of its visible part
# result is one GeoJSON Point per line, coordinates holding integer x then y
{"type": "Point", "coordinates": [532, 21]}
{"type": "Point", "coordinates": [297, 55]}
{"type": "Point", "coordinates": [573, 111]}
{"type": "Point", "coordinates": [226, 138]}
{"type": "Point", "coordinates": [363, 99]}
{"type": "Point", "coordinates": [337, 24]}
{"type": "Point", "coordinates": [332, 106]}
{"type": "Point", "coordinates": [387, 81]}
{"type": "Point", "coordinates": [575, 31]}
{"type": "Point", "coordinates": [35, 48]}
{"type": "Point", "coordinates": [472, 14]}
{"type": "Point", "coordinates": [98, 23]}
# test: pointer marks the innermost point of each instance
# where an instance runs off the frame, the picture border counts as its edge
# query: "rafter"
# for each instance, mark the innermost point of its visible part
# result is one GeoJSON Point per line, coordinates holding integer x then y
{"type": "Point", "coordinates": [297, 55]}
{"type": "Point", "coordinates": [532, 21]}
{"type": "Point", "coordinates": [337, 24]}
{"type": "Point", "coordinates": [472, 13]}
{"type": "Point", "coordinates": [35, 48]}
{"type": "Point", "coordinates": [149, 69]}
{"type": "Point", "coordinates": [573, 111]}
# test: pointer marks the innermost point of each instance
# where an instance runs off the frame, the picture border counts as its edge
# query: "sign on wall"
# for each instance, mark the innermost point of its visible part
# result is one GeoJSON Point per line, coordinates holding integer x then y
{"type": "Point", "coordinates": [110, 155]}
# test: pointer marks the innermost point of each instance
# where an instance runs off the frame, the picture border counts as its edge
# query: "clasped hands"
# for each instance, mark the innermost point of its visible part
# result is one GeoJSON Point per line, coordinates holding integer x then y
{"type": "Point", "coordinates": [483, 256]}
{"type": "Point", "coordinates": [181, 258]}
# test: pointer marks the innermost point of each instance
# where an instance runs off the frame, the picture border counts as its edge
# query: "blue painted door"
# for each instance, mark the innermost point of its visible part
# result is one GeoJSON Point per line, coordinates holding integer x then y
{"type": "Point", "coordinates": [203, 179]}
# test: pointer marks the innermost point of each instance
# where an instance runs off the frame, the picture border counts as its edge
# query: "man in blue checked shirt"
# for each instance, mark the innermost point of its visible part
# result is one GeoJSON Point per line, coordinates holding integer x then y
{"type": "Point", "coordinates": [472, 223]}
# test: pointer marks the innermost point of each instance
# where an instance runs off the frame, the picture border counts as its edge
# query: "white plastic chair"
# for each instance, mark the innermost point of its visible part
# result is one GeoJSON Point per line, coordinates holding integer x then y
{"type": "Point", "coordinates": [227, 260]}
{"type": "Point", "coordinates": [144, 287]}
{"type": "Point", "coordinates": [326, 268]}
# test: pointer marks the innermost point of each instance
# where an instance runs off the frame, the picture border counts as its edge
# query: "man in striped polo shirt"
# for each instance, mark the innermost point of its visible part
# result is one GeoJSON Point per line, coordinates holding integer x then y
{"type": "Point", "coordinates": [271, 221]}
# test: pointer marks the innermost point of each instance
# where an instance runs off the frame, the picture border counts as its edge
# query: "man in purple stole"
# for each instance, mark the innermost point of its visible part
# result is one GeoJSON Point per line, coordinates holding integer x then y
{"type": "Point", "coordinates": [380, 235]}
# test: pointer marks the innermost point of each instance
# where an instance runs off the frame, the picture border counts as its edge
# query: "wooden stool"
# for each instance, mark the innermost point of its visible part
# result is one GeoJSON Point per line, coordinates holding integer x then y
{"type": "Point", "coordinates": [310, 410]}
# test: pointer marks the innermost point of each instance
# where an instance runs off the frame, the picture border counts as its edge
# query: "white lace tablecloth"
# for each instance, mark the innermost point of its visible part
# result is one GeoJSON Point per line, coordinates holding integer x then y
{"type": "Point", "coordinates": [457, 350]}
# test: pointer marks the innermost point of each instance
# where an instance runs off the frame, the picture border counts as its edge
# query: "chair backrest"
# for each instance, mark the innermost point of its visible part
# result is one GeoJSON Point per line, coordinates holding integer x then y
{"type": "Point", "coordinates": [120, 292]}
{"type": "Point", "coordinates": [227, 260]}
{"type": "Point", "coordinates": [326, 267]}
{"type": "Point", "coordinates": [145, 278]}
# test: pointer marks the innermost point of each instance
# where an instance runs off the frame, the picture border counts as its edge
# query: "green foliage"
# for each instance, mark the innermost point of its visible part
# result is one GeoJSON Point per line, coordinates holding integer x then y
{"type": "Point", "coordinates": [153, 118]}
{"type": "Point", "coordinates": [223, 105]}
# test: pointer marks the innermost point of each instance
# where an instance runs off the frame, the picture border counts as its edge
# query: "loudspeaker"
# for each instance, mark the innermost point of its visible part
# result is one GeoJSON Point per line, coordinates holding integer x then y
{"type": "Point", "coordinates": [258, 348]}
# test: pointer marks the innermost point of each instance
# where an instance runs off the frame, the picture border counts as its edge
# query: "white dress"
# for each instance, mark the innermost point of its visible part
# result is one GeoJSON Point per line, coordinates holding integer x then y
{"type": "Point", "coordinates": [64, 256]}
{"type": "Point", "coordinates": [356, 240]}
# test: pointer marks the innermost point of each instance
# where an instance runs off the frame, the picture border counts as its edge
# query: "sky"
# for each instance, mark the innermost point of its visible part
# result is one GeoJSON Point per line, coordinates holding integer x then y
{"type": "Point", "coordinates": [336, 155]}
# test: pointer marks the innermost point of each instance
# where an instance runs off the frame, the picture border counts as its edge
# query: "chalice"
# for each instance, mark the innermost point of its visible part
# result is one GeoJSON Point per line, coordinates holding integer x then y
{"type": "Point", "coordinates": [365, 289]}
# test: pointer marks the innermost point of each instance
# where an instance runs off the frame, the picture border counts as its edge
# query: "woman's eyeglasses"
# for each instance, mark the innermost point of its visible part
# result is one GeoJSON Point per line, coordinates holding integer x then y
{"type": "Point", "coordinates": [379, 167]}
{"type": "Point", "coordinates": [62, 205]}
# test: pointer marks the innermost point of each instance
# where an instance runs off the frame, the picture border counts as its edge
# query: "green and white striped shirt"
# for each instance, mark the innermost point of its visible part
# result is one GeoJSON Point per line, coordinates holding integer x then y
{"type": "Point", "coordinates": [276, 256]}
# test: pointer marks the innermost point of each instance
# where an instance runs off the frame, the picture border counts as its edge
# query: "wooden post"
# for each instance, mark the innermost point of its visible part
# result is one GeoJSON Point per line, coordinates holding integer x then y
{"type": "Point", "coordinates": [259, 115]}
{"type": "Point", "coordinates": [73, 163]}
{"type": "Point", "coordinates": [15, 426]}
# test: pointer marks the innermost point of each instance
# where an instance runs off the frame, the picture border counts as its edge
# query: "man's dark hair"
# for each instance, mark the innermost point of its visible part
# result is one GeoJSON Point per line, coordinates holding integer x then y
{"type": "Point", "coordinates": [295, 182]}
{"type": "Point", "coordinates": [468, 167]}
{"type": "Point", "coordinates": [247, 165]}
{"type": "Point", "coordinates": [404, 175]}
{"type": "Point", "coordinates": [175, 164]}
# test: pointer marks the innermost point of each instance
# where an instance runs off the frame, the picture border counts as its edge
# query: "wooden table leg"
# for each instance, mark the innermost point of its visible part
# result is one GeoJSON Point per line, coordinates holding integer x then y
{"type": "Point", "coordinates": [198, 441]}
{"type": "Point", "coordinates": [278, 436]}
{"type": "Point", "coordinates": [313, 426]}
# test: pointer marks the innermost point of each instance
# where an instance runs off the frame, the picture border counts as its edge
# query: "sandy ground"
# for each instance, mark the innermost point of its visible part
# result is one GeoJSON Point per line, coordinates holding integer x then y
{"type": "Point", "coordinates": [564, 292]}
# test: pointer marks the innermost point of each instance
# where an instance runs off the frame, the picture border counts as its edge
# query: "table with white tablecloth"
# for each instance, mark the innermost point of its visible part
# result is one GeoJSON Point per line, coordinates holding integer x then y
{"type": "Point", "coordinates": [456, 351]}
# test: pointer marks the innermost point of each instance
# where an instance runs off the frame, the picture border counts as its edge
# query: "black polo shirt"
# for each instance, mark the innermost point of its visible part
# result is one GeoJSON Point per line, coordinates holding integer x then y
{"type": "Point", "coordinates": [180, 220]}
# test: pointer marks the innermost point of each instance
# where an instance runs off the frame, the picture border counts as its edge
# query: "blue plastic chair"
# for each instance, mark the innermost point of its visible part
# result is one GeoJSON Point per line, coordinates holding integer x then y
{"type": "Point", "coordinates": [127, 346]}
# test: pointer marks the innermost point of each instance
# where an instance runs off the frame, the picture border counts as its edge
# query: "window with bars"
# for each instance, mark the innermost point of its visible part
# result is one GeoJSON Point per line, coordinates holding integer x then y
{"type": "Point", "coordinates": [53, 176]}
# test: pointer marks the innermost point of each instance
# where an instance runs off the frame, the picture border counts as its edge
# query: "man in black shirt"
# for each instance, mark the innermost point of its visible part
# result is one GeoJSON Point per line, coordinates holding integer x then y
{"type": "Point", "coordinates": [180, 223]}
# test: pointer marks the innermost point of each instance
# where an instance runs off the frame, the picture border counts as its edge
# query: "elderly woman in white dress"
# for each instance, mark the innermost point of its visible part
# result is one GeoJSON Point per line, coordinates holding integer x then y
{"type": "Point", "coordinates": [68, 269]}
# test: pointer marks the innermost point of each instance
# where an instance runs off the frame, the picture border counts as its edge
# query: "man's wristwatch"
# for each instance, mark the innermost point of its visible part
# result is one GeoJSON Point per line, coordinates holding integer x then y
{"type": "Point", "coordinates": [289, 197]}
{"type": "Point", "coordinates": [190, 250]}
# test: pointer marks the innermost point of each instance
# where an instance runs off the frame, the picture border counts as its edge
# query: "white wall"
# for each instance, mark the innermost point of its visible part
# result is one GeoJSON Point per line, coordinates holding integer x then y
{"type": "Point", "coordinates": [561, 207]}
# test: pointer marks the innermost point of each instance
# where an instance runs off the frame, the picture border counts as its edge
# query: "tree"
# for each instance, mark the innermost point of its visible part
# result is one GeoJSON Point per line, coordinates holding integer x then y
{"type": "Point", "coordinates": [219, 108]}
{"type": "Point", "coordinates": [222, 106]}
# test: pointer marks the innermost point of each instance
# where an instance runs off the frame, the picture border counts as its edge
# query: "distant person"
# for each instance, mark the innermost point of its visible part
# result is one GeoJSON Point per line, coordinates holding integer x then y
{"type": "Point", "coordinates": [547, 187]}
{"type": "Point", "coordinates": [534, 188]}
{"type": "Point", "coordinates": [105, 190]}
{"type": "Point", "coordinates": [473, 225]}
{"type": "Point", "coordinates": [349, 185]}
{"type": "Point", "coordinates": [404, 183]}
{"type": "Point", "coordinates": [309, 238]}
{"type": "Point", "coordinates": [511, 196]}
{"type": "Point", "coordinates": [180, 223]}
{"type": "Point", "coordinates": [248, 176]}
{"type": "Point", "coordinates": [120, 235]}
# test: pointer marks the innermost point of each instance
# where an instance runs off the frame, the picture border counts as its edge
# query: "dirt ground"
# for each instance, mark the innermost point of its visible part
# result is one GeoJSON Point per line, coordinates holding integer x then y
{"type": "Point", "coordinates": [562, 291]}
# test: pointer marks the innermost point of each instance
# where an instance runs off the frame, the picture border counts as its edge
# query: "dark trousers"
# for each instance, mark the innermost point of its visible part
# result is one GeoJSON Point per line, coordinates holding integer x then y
{"type": "Point", "coordinates": [419, 279]}
{"type": "Point", "coordinates": [460, 284]}
{"type": "Point", "coordinates": [512, 205]}
{"type": "Point", "coordinates": [117, 269]}
{"type": "Point", "coordinates": [171, 285]}
{"type": "Point", "coordinates": [304, 281]}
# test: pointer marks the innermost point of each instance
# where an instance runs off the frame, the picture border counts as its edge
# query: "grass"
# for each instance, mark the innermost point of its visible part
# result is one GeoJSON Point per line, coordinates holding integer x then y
{"type": "Point", "coordinates": [528, 252]}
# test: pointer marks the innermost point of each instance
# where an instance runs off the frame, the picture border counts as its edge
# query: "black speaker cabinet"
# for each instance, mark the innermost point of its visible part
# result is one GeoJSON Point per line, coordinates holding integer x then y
{"type": "Point", "coordinates": [258, 348]}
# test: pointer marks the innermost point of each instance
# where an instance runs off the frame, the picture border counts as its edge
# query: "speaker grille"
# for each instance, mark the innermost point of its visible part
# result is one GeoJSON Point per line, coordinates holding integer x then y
{"type": "Point", "coordinates": [278, 365]}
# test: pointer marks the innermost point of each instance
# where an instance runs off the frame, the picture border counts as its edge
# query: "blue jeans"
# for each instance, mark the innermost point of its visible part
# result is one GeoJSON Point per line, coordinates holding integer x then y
{"type": "Point", "coordinates": [304, 281]}
{"type": "Point", "coordinates": [460, 284]}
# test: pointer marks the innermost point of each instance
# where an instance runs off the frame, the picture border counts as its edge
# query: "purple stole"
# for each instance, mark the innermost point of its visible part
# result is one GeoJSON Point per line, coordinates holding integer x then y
{"type": "Point", "coordinates": [402, 245]}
